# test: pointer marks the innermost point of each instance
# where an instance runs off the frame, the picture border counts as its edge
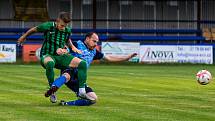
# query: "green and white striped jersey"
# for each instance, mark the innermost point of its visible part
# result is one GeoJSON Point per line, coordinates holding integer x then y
{"type": "Point", "coordinates": [53, 38]}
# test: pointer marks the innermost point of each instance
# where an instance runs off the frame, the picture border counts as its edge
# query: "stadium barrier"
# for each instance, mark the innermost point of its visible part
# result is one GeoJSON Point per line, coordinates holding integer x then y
{"type": "Point", "coordinates": [127, 31]}
{"type": "Point", "coordinates": [116, 34]}
{"type": "Point", "coordinates": [118, 37]}
{"type": "Point", "coordinates": [191, 36]}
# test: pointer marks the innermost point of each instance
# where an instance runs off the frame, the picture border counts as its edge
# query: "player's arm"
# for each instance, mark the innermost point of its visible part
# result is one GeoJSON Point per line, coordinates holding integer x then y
{"type": "Point", "coordinates": [25, 35]}
{"type": "Point", "coordinates": [101, 56]}
{"type": "Point", "coordinates": [111, 58]}
{"type": "Point", "coordinates": [74, 49]}
{"type": "Point", "coordinates": [40, 28]}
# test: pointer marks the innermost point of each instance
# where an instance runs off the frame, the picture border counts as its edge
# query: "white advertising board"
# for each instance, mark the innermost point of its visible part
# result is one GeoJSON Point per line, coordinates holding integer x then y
{"type": "Point", "coordinates": [121, 49]}
{"type": "Point", "coordinates": [7, 52]}
{"type": "Point", "coordinates": [176, 53]}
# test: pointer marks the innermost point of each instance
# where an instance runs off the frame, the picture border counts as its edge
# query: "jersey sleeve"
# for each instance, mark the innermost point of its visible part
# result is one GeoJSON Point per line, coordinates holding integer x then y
{"type": "Point", "coordinates": [44, 26]}
{"type": "Point", "coordinates": [98, 55]}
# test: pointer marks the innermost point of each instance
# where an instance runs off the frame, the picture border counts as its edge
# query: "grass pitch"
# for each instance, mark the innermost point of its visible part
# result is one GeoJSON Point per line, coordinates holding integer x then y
{"type": "Point", "coordinates": [126, 93]}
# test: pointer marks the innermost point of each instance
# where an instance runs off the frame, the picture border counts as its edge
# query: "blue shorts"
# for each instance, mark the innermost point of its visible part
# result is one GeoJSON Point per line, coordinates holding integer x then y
{"type": "Point", "coordinates": [73, 83]}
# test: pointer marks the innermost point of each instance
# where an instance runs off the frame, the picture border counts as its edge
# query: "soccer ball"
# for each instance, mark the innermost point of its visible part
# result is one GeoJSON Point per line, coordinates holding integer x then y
{"type": "Point", "coordinates": [38, 53]}
{"type": "Point", "coordinates": [203, 77]}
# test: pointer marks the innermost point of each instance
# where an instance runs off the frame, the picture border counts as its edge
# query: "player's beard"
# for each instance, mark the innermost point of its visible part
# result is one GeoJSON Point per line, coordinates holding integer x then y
{"type": "Point", "coordinates": [92, 47]}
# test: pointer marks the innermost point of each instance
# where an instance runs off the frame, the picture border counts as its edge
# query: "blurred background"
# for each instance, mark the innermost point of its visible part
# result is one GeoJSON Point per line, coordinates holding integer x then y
{"type": "Point", "coordinates": [105, 14]}
{"type": "Point", "coordinates": [143, 23]}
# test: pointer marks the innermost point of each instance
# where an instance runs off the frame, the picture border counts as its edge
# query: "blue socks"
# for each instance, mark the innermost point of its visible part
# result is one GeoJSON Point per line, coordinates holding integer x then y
{"type": "Point", "coordinates": [59, 81]}
{"type": "Point", "coordinates": [80, 102]}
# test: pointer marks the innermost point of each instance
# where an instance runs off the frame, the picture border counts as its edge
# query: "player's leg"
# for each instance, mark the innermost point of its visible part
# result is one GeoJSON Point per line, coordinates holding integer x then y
{"type": "Point", "coordinates": [65, 60]}
{"type": "Point", "coordinates": [49, 63]}
{"type": "Point", "coordinates": [65, 77]}
{"type": "Point", "coordinates": [82, 74]}
{"type": "Point", "coordinates": [93, 95]}
{"type": "Point", "coordinates": [61, 62]}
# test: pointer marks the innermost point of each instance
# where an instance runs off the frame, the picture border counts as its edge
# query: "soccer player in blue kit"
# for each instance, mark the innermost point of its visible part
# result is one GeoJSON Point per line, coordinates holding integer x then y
{"type": "Point", "coordinates": [69, 76]}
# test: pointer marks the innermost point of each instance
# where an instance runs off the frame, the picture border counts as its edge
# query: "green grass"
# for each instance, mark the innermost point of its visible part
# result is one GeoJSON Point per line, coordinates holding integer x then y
{"type": "Point", "coordinates": [126, 93]}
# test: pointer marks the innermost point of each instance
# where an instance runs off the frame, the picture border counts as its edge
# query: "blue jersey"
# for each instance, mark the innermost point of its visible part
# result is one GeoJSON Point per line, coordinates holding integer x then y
{"type": "Point", "coordinates": [87, 54]}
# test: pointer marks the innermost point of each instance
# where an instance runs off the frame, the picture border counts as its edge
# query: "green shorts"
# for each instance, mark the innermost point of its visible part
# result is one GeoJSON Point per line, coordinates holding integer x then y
{"type": "Point", "coordinates": [61, 61]}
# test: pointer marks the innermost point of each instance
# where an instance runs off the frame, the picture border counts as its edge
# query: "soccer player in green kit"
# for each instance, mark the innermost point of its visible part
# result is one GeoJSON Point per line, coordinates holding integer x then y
{"type": "Point", "coordinates": [56, 36]}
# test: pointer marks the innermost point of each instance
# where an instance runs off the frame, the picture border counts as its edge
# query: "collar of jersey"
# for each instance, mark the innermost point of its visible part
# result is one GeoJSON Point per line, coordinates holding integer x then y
{"type": "Point", "coordinates": [55, 25]}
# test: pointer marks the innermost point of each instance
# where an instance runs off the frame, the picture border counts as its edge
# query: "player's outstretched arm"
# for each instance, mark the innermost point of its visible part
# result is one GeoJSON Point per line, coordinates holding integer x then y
{"type": "Point", "coordinates": [74, 49]}
{"type": "Point", "coordinates": [119, 58]}
{"type": "Point", "coordinates": [25, 35]}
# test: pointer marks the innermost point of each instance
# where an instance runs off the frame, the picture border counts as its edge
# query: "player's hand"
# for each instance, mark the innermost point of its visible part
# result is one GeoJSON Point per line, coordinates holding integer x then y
{"type": "Point", "coordinates": [61, 51]}
{"type": "Point", "coordinates": [132, 55]}
{"type": "Point", "coordinates": [20, 41]}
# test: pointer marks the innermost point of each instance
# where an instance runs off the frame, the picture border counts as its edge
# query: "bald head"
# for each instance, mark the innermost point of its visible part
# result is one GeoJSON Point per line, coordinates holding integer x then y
{"type": "Point", "coordinates": [91, 40]}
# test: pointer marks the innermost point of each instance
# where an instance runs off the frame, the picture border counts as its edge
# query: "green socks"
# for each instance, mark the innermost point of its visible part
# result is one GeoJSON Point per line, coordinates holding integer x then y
{"type": "Point", "coordinates": [82, 74]}
{"type": "Point", "coordinates": [50, 72]}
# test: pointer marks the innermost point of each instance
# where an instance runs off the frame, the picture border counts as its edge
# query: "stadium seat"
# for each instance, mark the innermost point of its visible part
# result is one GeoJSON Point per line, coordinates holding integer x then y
{"type": "Point", "coordinates": [213, 33]}
{"type": "Point", "coordinates": [207, 34]}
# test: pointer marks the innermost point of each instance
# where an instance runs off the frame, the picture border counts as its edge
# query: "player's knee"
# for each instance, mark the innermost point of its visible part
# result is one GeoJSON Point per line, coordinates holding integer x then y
{"type": "Point", "coordinates": [82, 65]}
{"type": "Point", "coordinates": [93, 96]}
{"type": "Point", "coordinates": [67, 76]}
{"type": "Point", "coordinates": [50, 65]}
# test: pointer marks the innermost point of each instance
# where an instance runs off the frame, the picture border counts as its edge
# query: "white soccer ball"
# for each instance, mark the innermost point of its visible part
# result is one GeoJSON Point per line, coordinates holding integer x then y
{"type": "Point", "coordinates": [38, 53]}
{"type": "Point", "coordinates": [203, 77]}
